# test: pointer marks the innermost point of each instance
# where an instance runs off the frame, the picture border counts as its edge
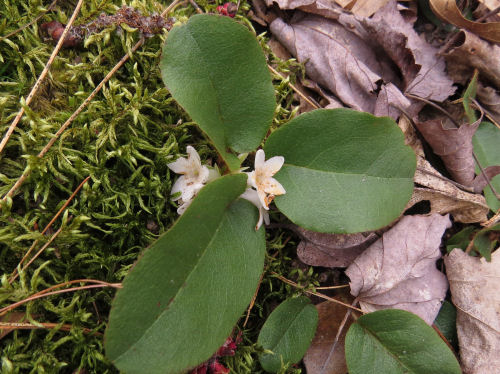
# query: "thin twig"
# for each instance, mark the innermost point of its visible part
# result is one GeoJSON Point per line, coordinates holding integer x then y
{"type": "Point", "coordinates": [444, 111]}
{"type": "Point", "coordinates": [332, 287]}
{"type": "Point", "coordinates": [108, 76]}
{"type": "Point", "coordinates": [196, 7]}
{"type": "Point", "coordinates": [253, 300]}
{"type": "Point", "coordinates": [45, 70]}
{"type": "Point", "coordinates": [292, 283]}
{"type": "Point", "coordinates": [13, 276]}
{"type": "Point", "coordinates": [44, 325]}
{"type": "Point", "coordinates": [493, 220]}
{"type": "Point", "coordinates": [293, 87]}
{"type": "Point", "coordinates": [49, 8]}
{"type": "Point", "coordinates": [44, 293]}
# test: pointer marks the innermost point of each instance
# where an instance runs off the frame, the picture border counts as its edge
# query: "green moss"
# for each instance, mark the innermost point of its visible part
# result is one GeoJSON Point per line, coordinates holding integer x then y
{"type": "Point", "coordinates": [123, 140]}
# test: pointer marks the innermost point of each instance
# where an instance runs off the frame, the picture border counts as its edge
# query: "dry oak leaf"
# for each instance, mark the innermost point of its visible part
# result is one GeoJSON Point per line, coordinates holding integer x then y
{"type": "Point", "coordinates": [475, 291]}
{"type": "Point", "coordinates": [445, 197]}
{"type": "Point", "coordinates": [325, 355]}
{"type": "Point", "coordinates": [399, 270]}
{"type": "Point", "coordinates": [331, 250]}
{"type": "Point", "coordinates": [490, 101]}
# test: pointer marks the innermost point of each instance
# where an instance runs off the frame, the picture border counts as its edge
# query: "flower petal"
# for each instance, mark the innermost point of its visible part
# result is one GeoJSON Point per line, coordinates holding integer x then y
{"type": "Point", "coordinates": [272, 165]}
{"type": "Point", "coordinates": [182, 208]}
{"type": "Point", "coordinates": [193, 156]}
{"type": "Point", "coordinates": [260, 159]}
{"type": "Point", "coordinates": [191, 190]}
{"type": "Point", "coordinates": [263, 199]}
{"type": "Point", "coordinates": [273, 187]}
{"type": "Point", "coordinates": [251, 179]}
{"type": "Point", "coordinates": [179, 166]}
{"type": "Point", "coordinates": [179, 186]}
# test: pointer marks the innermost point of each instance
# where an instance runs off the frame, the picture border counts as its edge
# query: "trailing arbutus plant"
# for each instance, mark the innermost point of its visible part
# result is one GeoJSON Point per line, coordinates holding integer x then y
{"type": "Point", "coordinates": [332, 171]}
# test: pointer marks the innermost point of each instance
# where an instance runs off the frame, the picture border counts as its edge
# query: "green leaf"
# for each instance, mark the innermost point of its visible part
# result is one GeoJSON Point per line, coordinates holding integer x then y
{"type": "Point", "coordinates": [215, 69]}
{"type": "Point", "coordinates": [344, 171]}
{"type": "Point", "coordinates": [394, 341]}
{"type": "Point", "coordinates": [469, 95]}
{"type": "Point", "coordinates": [288, 332]}
{"type": "Point", "coordinates": [446, 322]}
{"type": "Point", "coordinates": [484, 244]}
{"type": "Point", "coordinates": [461, 239]}
{"type": "Point", "coordinates": [184, 295]}
{"type": "Point", "coordinates": [486, 141]}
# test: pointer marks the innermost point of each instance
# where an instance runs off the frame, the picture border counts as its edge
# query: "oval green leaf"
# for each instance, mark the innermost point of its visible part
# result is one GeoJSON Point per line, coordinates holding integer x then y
{"type": "Point", "coordinates": [288, 332]}
{"type": "Point", "coordinates": [395, 341]}
{"type": "Point", "coordinates": [215, 69]}
{"type": "Point", "coordinates": [185, 294]}
{"type": "Point", "coordinates": [344, 171]}
{"type": "Point", "coordinates": [486, 142]}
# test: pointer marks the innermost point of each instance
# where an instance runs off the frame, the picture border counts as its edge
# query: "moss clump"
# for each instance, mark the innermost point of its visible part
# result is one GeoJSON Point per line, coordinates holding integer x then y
{"type": "Point", "coordinates": [123, 141]}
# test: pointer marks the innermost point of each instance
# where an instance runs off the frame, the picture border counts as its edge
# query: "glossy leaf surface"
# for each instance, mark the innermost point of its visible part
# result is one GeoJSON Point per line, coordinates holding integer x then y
{"type": "Point", "coordinates": [288, 332]}
{"type": "Point", "coordinates": [215, 69]}
{"type": "Point", "coordinates": [182, 298]}
{"type": "Point", "coordinates": [344, 172]}
{"type": "Point", "coordinates": [393, 341]}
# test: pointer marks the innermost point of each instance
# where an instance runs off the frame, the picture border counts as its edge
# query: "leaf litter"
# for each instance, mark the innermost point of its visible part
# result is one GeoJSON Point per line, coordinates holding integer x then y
{"type": "Point", "coordinates": [381, 65]}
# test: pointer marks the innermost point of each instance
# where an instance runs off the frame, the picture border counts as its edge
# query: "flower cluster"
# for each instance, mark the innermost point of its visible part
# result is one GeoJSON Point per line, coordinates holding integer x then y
{"type": "Point", "coordinates": [195, 176]}
{"type": "Point", "coordinates": [262, 186]}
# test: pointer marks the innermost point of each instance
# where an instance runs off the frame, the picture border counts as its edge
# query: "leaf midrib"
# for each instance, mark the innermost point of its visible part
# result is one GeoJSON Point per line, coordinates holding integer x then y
{"type": "Point", "coordinates": [343, 173]}
{"type": "Point", "coordinates": [179, 291]}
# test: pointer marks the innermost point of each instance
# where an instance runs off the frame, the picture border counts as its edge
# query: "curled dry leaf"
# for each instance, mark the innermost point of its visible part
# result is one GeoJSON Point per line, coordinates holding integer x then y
{"type": "Point", "coordinates": [471, 52]}
{"type": "Point", "coordinates": [331, 250]}
{"type": "Point", "coordinates": [318, 354]}
{"type": "Point", "coordinates": [448, 11]}
{"type": "Point", "coordinates": [453, 145]}
{"type": "Point", "coordinates": [444, 197]}
{"type": "Point", "coordinates": [398, 271]}
{"type": "Point", "coordinates": [490, 101]}
{"type": "Point", "coordinates": [364, 8]}
{"type": "Point", "coordinates": [475, 291]}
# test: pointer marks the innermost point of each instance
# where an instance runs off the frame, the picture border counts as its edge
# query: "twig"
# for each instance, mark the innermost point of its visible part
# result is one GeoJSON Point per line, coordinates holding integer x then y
{"type": "Point", "coordinates": [332, 287]}
{"type": "Point", "coordinates": [252, 303]}
{"type": "Point", "coordinates": [291, 283]}
{"type": "Point", "coordinates": [13, 276]}
{"type": "Point", "coordinates": [293, 87]}
{"type": "Point", "coordinates": [44, 325]}
{"type": "Point", "coordinates": [44, 247]}
{"type": "Point", "coordinates": [196, 7]}
{"type": "Point", "coordinates": [108, 76]}
{"type": "Point", "coordinates": [444, 111]}
{"type": "Point", "coordinates": [49, 8]}
{"type": "Point", "coordinates": [45, 70]}
{"type": "Point", "coordinates": [47, 292]}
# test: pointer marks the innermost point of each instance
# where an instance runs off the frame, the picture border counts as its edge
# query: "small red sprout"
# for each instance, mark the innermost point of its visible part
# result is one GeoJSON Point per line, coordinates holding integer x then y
{"type": "Point", "coordinates": [228, 9]}
{"type": "Point", "coordinates": [212, 365]}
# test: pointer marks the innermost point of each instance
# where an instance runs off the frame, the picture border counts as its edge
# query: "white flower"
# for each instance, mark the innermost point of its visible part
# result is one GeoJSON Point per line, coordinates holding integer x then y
{"type": "Point", "coordinates": [252, 196]}
{"type": "Point", "coordinates": [194, 177]}
{"type": "Point", "coordinates": [262, 178]}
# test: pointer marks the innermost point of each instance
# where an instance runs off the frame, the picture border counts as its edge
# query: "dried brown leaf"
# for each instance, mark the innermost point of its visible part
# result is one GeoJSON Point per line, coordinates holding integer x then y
{"type": "Point", "coordinates": [366, 8]}
{"type": "Point", "coordinates": [422, 71]}
{"type": "Point", "coordinates": [330, 318]}
{"type": "Point", "coordinates": [448, 11]}
{"type": "Point", "coordinates": [453, 145]}
{"type": "Point", "coordinates": [332, 250]}
{"type": "Point", "coordinates": [399, 271]}
{"type": "Point", "coordinates": [469, 53]}
{"type": "Point", "coordinates": [11, 318]}
{"type": "Point", "coordinates": [475, 290]}
{"type": "Point", "coordinates": [490, 101]}
{"type": "Point", "coordinates": [445, 197]}
{"type": "Point", "coordinates": [347, 66]}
